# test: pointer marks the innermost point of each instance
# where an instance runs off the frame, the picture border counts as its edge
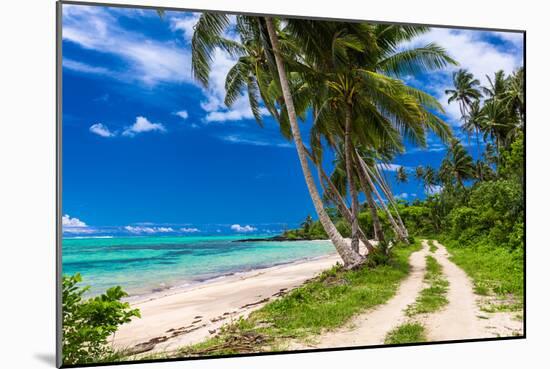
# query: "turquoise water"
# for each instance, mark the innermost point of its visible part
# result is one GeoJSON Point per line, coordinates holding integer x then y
{"type": "Point", "coordinates": [146, 264]}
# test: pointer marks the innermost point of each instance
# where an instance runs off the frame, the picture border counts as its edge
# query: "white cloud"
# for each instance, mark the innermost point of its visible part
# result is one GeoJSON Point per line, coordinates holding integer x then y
{"type": "Point", "coordinates": [432, 190]}
{"type": "Point", "coordinates": [389, 167]}
{"type": "Point", "coordinates": [141, 125]}
{"type": "Point", "coordinates": [67, 221]}
{"type": "Point", "coordinates": [148, 230]}
{"type": "Point", "coordinates": [74, 225]}
{"type": "Point", "coordinates": [182, 114]}
{"type": "Point", "coordinates": [101, 130]}
{"type": "Point", "coordinates": [214, 104]}
{"type": "Point", "coordinates": [403, 196]}
{"type": "Point", "coordinates": [86, 68]}
{"type": "Point", "coordinates": [243, 229]}
{"type": "Point", "coordinates": [185, 24]}
{"type": "Point", "coordinates": [190, 230]}
{"type": "Point", "coordinates": [147, 60]}
{"type": "Point", "coordinates": [254, 142]}
{"type": "Point", "coordinates": [472, 52]}
{"type": "Point", "coordinates": [151, 61]}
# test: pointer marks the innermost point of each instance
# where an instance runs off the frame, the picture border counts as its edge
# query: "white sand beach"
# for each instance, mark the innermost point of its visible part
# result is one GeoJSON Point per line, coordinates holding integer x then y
{"type": "Point", "coordinates": [177, 318]}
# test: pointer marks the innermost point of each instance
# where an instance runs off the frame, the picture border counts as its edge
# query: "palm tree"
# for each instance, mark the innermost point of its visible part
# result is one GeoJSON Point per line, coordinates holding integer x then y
{"type": "Point", "coordinates": [514, 96]}
{"type": "Point", "coordinates": [458, 164]}
{"type": "Point", "coordinates": [358, 104]}
{"type": "Point", "coordinates": [401, 175]}
{"type": "Point", "coordinates": [465, 91]}
{"type": "Point", "coordinates": [497, 85]}
{"type": "Point", "coordinates": [474, 121]}
{"type": "Point", "coordinates": [268, 74]}
{"type": "Point", "coordinates": [429, 177]}
{"type": "Point", "coordinates": [307, 224]}
{"type": "Point", "coordinates": [349, 256]}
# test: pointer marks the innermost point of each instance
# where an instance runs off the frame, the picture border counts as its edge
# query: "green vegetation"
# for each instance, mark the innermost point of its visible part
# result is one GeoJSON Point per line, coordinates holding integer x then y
{"type": "Point", "coordinates": [433, 297]}
{"type": "Point", "coordinates": [87, 324]}
{"type": "Point", "coordinates": [325, 302]}
{"type": "Point", "coordinates": [494, 270]}
{"type": "Point", "coordinates": [309, 230]}
{"type": "Point", "coordinates": [406, 333]}
{"type": "Point", "coordinates": [433, 247]}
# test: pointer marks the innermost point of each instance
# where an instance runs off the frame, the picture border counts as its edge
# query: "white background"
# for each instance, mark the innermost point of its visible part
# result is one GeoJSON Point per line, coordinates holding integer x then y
{"type": "Point", "coordinates": [27, 181]}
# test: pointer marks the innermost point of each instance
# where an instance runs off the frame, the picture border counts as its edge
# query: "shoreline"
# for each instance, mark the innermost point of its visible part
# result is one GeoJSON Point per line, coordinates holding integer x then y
{"type": "Point", "coordinates": [177, 317]}
{"type": "Point", "coordinates": [189, 285]}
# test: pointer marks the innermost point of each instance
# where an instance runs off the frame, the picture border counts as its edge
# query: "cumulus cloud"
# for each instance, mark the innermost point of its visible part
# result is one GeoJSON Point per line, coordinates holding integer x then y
{"type": "Point", "coordinates": [190, 230]}
{"type": "Point", "coordinates": [101, 130]}
{"type": "Point", "coordinates": [142, 125]}
{"type": "Point", "coordinates": [242, 229]}
{"type": "Point", "coordinates": [74, 225]}
{"type": "Point", "coordinates": [148, 230]}
{"type": "Point", "coordinates": [182, 114]}
{"type": "Point", "coordinates": [67, 221]}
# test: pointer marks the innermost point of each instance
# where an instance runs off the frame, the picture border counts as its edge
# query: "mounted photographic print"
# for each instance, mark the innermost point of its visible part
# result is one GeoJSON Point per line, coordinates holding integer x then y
{"type": "Point", "coordinates": [234, 184]}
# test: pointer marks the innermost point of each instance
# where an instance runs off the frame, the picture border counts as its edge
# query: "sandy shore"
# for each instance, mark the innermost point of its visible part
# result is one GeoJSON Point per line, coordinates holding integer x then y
{"type": "Point", "coordinates": [184, 317]}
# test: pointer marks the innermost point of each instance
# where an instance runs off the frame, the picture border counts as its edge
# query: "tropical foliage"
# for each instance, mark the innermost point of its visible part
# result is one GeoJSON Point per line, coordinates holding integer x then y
{"type": "Point", "coordinates": [88, 323]}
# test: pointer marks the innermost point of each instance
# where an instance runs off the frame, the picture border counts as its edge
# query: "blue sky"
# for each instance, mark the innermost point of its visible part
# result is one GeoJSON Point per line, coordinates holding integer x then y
{"type": "Point", "coordinates": [147, 150]}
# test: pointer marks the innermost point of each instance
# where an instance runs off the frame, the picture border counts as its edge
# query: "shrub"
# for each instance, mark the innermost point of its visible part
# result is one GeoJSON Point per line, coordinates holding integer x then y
{"type": "Point", "coordinates": [87, 324]}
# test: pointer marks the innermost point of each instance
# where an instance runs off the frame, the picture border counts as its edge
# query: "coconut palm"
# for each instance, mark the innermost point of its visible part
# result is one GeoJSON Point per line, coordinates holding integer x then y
{"type": "Point", "coordinates": [307, 224]}
{"type": "Point", "coordinates": [465, 91]}
{"type": "Point", "coordinates": [497, 85]}
{"type": "Point", "coordinates": [514, 96]}
{"type": "Point", "coordinates": [401, 175]}
{"type": "Point", "coordinates": [429, 177]}
{"type": "Point", "coordinates": [358, 104]}
{"type": "Point", "coordinates": [458, 164]}
{"type": "Point", "coordinates": [270, 73]}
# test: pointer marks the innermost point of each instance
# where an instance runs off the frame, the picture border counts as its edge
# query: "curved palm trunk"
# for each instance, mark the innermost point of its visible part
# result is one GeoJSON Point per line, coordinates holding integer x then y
{"type": "Point", "coordinates": [394, 224]}
{"type": "Point", "coordinates": [351, 182]}
{"type": "Point", "coordinates": [390, 198]}
{"type": "Point", "coordinates": [377, 226]}
{"type": "Point", "coordinates": [342, 208]}
{"type": "Point", "coordinates": [349, 256]}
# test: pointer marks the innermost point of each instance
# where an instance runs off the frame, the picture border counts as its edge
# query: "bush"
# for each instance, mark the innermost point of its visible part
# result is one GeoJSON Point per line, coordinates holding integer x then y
{"type": "Point", "coordinates": [87, 324]}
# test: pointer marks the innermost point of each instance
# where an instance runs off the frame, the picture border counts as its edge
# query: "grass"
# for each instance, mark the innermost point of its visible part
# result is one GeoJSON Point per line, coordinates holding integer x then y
{"type": "Point", "coordinates": [433, 247]}
{"type": "Point", "coordinates": [326, 302]}
{"type": "Point", "coordinates": [433, 297]}
{"type": "Point", "coordinates": [495, 272]}
{"type": "Point", "coordinates": [406, 333]}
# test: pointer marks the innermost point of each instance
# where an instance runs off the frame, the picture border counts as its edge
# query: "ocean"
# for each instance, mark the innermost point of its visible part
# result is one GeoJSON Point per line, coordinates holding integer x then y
{"type": "Point", "coordinates": [146, 264]}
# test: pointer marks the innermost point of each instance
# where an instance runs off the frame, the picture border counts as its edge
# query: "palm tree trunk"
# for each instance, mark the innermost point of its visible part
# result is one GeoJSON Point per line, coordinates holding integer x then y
{"type": "Point", "coordinates": [351, 181]}
{"type": "Point", "coordinates": [349, 257]}
{"type": "Point", "coordinates": [341, 205]}
{"type": "Point", "coordinates": [389, 196]}
{"type": "Point", "coordinates": [377, 226]}
{"type": "Point", "coordinates": [394, 224]}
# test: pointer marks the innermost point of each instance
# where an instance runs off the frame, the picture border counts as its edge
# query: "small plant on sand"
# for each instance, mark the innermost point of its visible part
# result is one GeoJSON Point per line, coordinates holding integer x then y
{"type": "Point", "coordinates": [406, 333]}
{"type": "Point", "coordinates": [87, 324]}
{"type": "Point", "coordinates": [433, 247]}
